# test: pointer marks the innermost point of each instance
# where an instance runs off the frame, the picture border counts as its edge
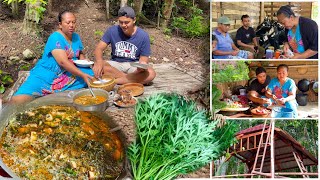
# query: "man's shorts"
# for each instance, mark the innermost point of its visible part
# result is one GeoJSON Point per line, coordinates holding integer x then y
{"type": "Point", "coordinates": [242, 54]}
{"type": "Point", "coordinates": [122, 66]}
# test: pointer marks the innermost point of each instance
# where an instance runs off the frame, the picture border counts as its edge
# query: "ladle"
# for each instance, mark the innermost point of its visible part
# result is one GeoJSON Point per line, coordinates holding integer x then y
{"type": "Point", "coordinates": [91, 92]}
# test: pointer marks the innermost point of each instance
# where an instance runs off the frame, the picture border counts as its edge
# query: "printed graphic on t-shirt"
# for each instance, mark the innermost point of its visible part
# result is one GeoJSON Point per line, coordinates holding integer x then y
{"type": "Point", "coordinates": [248, 35]}
{"type": "Point", "coordinates": [125, 49]}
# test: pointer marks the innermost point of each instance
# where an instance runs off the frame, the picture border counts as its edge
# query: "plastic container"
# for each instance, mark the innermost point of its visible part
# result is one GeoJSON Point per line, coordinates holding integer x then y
{"type": "Point", "coordinates": [269, 53]}
{"type": "Point", "coordinates": [242, 92]}
{"type": "Point", "coordinates": [281, 112]}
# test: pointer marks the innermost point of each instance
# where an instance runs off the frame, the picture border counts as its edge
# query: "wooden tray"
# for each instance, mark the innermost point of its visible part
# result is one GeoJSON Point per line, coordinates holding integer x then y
{"type": "Point", "coordinates": [126, 105]}
{"type": "Point", "coordinates": [255, 114]}
{"type": "Point", "coordinates": [136, 89]}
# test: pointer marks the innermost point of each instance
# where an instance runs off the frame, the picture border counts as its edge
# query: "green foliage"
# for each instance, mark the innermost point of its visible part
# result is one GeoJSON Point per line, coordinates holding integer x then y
{"type": "Point", "coordinates": [98, 33]}
{"type": "Point", "coordinates": [189, 19]}
{"type": "Point", "coordinates": [194, 26]}
{"type": "Point", "coordinates": [215, 97]}
{"type": "Point", "coordinates": [5, 80]}
{"type": "Point", "coordinates": [231, 72]}
{"type": "Point", "coordinates": [25, 67]}
{"type": "Point", "coordinates": [174, 138]}
{"type": "Point", "coordinates": [37, 10]}
{"type": "Point", "coordinates": [10, 1]}
{"type": "Point", "coordinates": [151, 39]}
{"type": "Point", "coordinates": [167, 31]}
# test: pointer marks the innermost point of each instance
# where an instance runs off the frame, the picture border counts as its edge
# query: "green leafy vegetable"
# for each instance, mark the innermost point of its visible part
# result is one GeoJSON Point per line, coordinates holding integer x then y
{"type": "Point", "coordinates": [230, 72]}
{"type": "Point", "coordinates": [173, 138]}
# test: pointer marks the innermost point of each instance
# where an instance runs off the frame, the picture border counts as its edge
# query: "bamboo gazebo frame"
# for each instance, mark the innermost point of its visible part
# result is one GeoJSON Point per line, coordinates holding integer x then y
{"type": "Point", "coordinates": [268, 150]}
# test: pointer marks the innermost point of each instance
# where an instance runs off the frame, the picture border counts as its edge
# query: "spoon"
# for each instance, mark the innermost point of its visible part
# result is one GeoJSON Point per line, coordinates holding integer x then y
{"type": "Point", "coordinates": [102, 80]}
{"type": "Point", "coordinates": [91, 92]}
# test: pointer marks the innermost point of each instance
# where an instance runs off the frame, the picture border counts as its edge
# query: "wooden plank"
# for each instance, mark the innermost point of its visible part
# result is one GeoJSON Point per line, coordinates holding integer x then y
{"type": "Point", "coordinates": [169, 79]}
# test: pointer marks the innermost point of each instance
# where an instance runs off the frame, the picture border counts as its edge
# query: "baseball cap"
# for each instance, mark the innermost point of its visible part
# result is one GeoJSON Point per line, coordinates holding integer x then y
{"type": "Point", "coordinates": [223, 20]}
{"type": "Point", "coordinates": [126, 11]}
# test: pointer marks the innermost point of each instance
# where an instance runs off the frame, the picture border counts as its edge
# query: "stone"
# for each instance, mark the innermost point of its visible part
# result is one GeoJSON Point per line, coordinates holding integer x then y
{"type": "Point", "coordinates": [180, 59]}
{"type": "Point", "coordinates": [28, 54]}
{"type": "Point", "coordinates": [178, 49]}
{"type": "Point", "coordinates": [165, 59]}
{"type": "Point", "coordinates": [9, 62]}
{"type": "Point", "coordinates": [14, 58]}
{"type": "Point", "coordinates": [23, 62]}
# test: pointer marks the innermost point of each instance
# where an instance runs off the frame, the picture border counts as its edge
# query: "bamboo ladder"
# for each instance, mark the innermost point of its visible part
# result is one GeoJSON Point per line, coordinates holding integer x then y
{"type": "Point", "coordinates": [256, 169]}
{"type": "Point", "coordinates": [300, 164]}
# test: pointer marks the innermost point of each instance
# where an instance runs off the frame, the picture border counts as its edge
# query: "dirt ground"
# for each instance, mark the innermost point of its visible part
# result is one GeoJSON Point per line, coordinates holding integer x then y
{"type": "Point", "coordinates": [188, 54]}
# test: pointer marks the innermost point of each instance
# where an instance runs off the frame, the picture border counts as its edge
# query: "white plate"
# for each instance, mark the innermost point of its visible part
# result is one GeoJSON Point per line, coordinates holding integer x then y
{"type": "Point", "coordinates": [235, 109]}
{"type": "Point", "coordinates": [139, 65]}
{"type": "Point", "coordinates": [101, 82]}
{"type": "Point", "coordinates": [83, 63]}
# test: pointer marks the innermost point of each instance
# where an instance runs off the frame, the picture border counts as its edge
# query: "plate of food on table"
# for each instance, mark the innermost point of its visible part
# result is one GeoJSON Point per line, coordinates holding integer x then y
{"type": "Point", "coordinates": [236, 104]}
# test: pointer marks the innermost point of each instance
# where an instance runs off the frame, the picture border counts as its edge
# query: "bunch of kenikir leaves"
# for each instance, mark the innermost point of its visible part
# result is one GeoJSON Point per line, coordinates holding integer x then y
{"type": "Point", "coordinates": [174, 138]}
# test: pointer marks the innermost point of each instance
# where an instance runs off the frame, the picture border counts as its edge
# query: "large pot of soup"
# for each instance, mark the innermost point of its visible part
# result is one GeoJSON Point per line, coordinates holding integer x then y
{"type": "Point", "coordinates": [49, 139]}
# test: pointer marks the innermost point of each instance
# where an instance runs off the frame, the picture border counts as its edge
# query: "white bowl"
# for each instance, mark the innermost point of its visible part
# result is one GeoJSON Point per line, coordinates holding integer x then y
{"type": "Point", "coordinates": [83, 63]}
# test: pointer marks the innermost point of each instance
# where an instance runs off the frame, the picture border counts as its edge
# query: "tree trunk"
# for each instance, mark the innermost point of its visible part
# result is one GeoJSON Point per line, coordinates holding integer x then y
{"type": "Point", "coordinates": [123, 3]}
{"type": "Point", "coordinates": [49, 8]}
{"type": "Point", "coordinates": [31, 19]}
{"type": "Point", "coordinates": [138, 4]}
{"type": "Point", "coordinates": [107, 9]}
{"type": "Point", "coordinates": [15, 8]}
{"type": "Point", "coordinates": [166, 13]}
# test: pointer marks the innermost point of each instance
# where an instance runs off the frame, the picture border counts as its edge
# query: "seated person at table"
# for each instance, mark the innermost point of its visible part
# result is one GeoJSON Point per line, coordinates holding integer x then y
{"type": "Point", "coordinates": [282, 90]}
{"type": "Point", "coordinates": [302, 34]}
{"type": "Point", "coordinates": [129, 43]}
{"type": "Point", "coordinates": [55, 71]}
{"type": "Point", "coordinates": [258, 88]}
{"type": "Point", "coordinates": [225, 48]}
{"type": "Point", "coordinates": [246, 38]}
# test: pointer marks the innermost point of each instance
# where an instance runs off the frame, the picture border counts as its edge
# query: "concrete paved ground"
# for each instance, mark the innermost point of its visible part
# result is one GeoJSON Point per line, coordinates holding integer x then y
{"type": "Point", "coordinates": [311, 110]}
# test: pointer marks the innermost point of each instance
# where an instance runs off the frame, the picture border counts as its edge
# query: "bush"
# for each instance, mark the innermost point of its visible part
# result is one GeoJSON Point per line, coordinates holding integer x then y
{"type": "Point", "coordinates": [230, 72]}
{"type": "Point", "coordinates": [194, 26]}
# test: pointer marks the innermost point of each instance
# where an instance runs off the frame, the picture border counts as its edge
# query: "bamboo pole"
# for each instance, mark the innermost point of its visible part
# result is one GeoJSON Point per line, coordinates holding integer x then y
{"type": "Point", "coordinates": [261, 173]}
{"type": "Point", "coordinates": [261, 12]}
{"type": "Point", "coordinates": [272, 169]}
{"type": "Point", "coordinates": [296, 173]}
{"type": "Point", "coordinates": [233, 175]}
{"type": "Point", "coordinates": [267, 174]}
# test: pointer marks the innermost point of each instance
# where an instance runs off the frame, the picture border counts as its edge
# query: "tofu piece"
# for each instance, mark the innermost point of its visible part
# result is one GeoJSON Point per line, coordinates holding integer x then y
{"type": "Point", "coordinates": [33, 136]}
{"type": "Point", "coordinates": [91, 175]}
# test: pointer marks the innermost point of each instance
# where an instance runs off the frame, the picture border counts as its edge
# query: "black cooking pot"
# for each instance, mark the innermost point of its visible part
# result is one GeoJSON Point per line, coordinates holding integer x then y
{"type": "Point", "coordinates": [302, 99]}
{"type": "Point", "coordinates": [314, 87]}
{"type": "Point", "coordinates": [303, 85]}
